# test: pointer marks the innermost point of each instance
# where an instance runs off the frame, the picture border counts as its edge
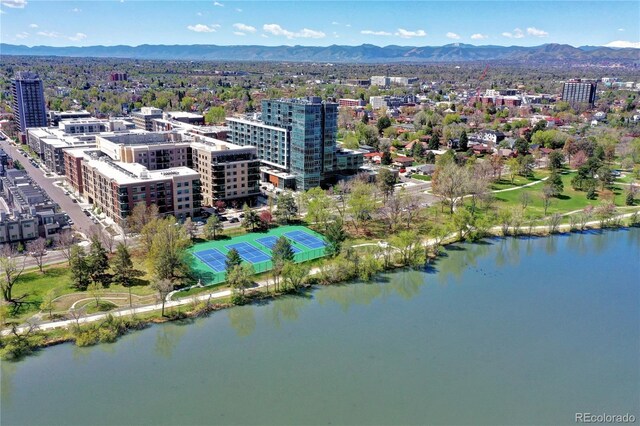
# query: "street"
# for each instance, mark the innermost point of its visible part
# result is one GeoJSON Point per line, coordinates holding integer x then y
{"type": "Point", "coordinates": [82, 223]}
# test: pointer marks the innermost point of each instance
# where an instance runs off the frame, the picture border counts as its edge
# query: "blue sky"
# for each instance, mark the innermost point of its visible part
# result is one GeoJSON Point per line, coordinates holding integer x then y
{"type": "Point", "coordinates": [320, 23]}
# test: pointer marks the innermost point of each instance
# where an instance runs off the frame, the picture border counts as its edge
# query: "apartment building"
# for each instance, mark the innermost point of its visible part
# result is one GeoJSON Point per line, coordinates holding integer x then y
{"type": "Point", "coordinates": [28, 101]}
{"type": "Point", "coordinates": [143, 119]}
{"type": "Point", "coordinates": [577, 91]}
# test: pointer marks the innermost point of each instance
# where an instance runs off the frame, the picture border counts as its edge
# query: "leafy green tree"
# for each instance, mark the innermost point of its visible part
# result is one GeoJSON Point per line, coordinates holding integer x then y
{"type": "Point", "coordinates": [251, 219]}
{"type": "Point", "coordinates": [123, 272]}
{"type": "Point", "coordinates": [168, 258]}
{"type": "Point", "coordinates": [215, 115]}
{"type": "Point", "coordinates": [521, 146]}
{"type": "Point", "coordinates": [386, 181]}
{"type": "Point", "coordinates": [98, 262]}
{"type": "Point", "coordinates": [385, 160]}
{"type": "Point", "coordinates": [605, 176]}
{"type": "Point", "coordinates": [555, 182]}
{"type": "Point", "coordinates": [233, 259]}
{"type": "Point", "coordinates": [361, 203]}
{"type": "Point", "coordinates": [286, 208]}
{"type": "Point", "coordinates": [212, 227]}
{"type": "Point", "coordinates": [525, 163]}
{"type": "Point", "coordinates": [294, 275]}
{"type": "Point", "coordinates": [383, 123]}
{"type": "Point", "coordinates": [239, 278]}
{"type": "Point", "coordinates": [318, 206]}
{"type": "Point", "coordinates": [80, 274]}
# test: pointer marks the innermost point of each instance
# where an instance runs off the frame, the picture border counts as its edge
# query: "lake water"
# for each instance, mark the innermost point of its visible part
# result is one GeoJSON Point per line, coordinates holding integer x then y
{"type": "Point", "coordinates": [514, 331]}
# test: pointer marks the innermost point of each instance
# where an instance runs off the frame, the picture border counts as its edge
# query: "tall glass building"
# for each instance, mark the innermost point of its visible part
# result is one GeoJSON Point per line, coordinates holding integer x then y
{"type": "Point", "coordinates": [295, 135]}
{"type": "Point", "coordinates": [28, 101]}
{"type": "Point", "coordinates": [577, 91]}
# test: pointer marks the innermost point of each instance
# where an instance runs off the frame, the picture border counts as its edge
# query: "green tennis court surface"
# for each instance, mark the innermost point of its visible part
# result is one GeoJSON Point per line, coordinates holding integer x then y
{"type": "Point", "coordinates": [254, 248]}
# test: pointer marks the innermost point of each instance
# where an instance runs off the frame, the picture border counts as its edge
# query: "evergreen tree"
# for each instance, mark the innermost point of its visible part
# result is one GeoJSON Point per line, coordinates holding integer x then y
{"type": "Point", "coordinates": [434, 142]}
{"type": "Point", "coordinates": [464, 141]}
{"type": "Point", "coordinates": [98, 262]}
{"type": "Point", "coordinates": [281, 253]}
{"type": "Point", "coordinates": [386, 158]}
{"type": "Point", "coordinates": [80, 277]}
{"type": "Point", "coordinates": [286, 208]}
{"type": "Point", "coordinates": [335, 236]}
{"type": "Point", "coordinates": [233, 260]}
{"type": "Point", "coordinates": [122, 268]}
{"type": "Point", "coordinates": [212, 228]}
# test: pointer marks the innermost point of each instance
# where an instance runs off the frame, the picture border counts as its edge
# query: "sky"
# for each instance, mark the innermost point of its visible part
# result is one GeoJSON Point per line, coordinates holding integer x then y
{"type": "Point", "coordinates": [320, 23]}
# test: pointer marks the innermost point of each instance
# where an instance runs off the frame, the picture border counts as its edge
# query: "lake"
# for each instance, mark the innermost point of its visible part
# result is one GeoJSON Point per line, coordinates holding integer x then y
{"type": "Point", "coordinates": [510, 331]}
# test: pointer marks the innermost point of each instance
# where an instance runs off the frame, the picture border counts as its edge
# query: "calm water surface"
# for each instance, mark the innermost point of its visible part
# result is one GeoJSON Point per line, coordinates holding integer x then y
{"type": "Point", "coordinates": [511, 332]}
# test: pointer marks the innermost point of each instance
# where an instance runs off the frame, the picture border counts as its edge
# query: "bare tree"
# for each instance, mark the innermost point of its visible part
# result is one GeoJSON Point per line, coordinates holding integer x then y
{"type": "Point", "coordinates": [547, 196]}
{"type": "Point", "coordinates": [554, 222]}
{"type": "Point", "coordinates": [65, 240]}
{"type": "Point", "coordinates": [10, 269]}
{"type": "Point", "coordinates": [108, 239]}
{"type": "Point", "coordinates": [525, 199]}
{"type": "Point", "coordinates": [190, 227]}
{"type": "Point", "coordinates": [163, 287]}
{"type": "Point", "coordinates": [37, 249]}
{"type": "Point", "coordinates": [451, 182]}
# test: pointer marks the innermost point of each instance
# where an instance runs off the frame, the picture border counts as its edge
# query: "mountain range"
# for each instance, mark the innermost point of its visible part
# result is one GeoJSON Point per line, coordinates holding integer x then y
{"type": "Point", "coordinates": [457, 52]}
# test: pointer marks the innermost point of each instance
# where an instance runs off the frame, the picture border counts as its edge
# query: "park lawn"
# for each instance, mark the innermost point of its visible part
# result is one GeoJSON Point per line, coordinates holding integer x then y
{"type": "Point", "coordinates": [421, 177]}
{"type": "Point", "coordinates": [568, 201]}
{"type": "Point", "coordinates": [505, 181]}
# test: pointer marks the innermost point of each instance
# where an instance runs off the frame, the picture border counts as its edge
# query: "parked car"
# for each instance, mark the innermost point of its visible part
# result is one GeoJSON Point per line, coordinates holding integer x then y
{"type": "Point", "coordinates": [234, 220]}
{"type": "Point", "coordinates": [86, 213]}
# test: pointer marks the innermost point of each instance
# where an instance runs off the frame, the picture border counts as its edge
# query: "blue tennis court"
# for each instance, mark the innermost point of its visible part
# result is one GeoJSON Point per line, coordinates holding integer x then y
{"type": "Point", "coordinates": [305, 239]}
{"type": "Point", "coordinates": [213, 258]}
{"type": "Point", "coordinates": [249, 252]}
{"type": "Point", "coordinates": [269, 242]}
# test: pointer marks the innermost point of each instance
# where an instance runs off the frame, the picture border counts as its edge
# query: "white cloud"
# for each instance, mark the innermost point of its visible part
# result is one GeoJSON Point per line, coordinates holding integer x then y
{"type": "Point", "coordinates": [244, 28]}
{"type": "Point", "coordinates": [479, 36]}
{"type": "Point", "coordinates": [199, 13]}
{"type": "Point", "coordinates": [264, 36]}
{"type": "Point", "coordinates": [376, 33]}
{"type": "Point", "coordinates": [201, 28]}
{"type": "Point", "coordinates": [76, 10]}
{"type": "Point", "coordinates": [239, 10]}
{"type": "Point", "coordinates": [536, 32]}
{"type": "Point", "coordinates": [22, 35]}
{"type": "Point", "coordinates": [348, 25]}
{"type": "Point", "coordinates": [620, 29]}
{"type": "Point", "coordinates": [14, 4]}
{"type": "Point", "coordinates": [453, 36]}
{"type": "Point", "coordinates": [49, 34]}
{"type": "Point", "coordinates": [409, 34]}
{"type": "Point", "coordinates": [335, 23]}
{"type": "Point", "coordinates": [33, 25]}
{"type": "Point", "coordinates": [624, 44]}
{"type": "Point", "coordinates": [2, 12]}
{"type": "Point", "coordinates": [238, 33]}
{"type": "Point", "coordinates": [215, 3]}
{"type": "Point", "coordinates": [277, 30]}
{"type": "Point", "coordinates": [516, 33]}
{"type": "Point", "coordinates": [78, 37]}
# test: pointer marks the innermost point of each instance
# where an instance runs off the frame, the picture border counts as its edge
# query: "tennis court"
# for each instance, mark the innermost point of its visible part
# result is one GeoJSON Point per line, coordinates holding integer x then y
{"type": "Point", "coordinates": [208, 261]}
{"type": "Point", "coordinates": [249, 253]}
{"type": "Point", "coordinates": [305, 239]}
{"type": "Point", "coordinates": [269, 242]}
{"type": "Point", "coordinates": [212, 258]}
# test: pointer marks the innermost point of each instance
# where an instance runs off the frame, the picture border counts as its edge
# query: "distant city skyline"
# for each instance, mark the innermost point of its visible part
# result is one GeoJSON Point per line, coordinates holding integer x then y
{"type": "Point", "coordinates": [315, 23]}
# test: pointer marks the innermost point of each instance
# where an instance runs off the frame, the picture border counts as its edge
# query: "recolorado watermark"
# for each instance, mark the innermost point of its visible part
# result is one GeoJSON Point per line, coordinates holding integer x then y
{"type": "Point", "coordinates": [605, 418]}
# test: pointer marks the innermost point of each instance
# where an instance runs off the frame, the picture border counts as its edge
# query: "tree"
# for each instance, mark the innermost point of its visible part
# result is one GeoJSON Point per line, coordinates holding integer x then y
{"type": "Point", "coordinates": [547, 194]}
{"type": "Point", "coordinates": [434, 142]}
{"type": "Point", "coordinates": [163, 287]}
{"type": "Point", "coordinates": [405, 242]}
{"type": "Point", "coordinates": [11, 269]}
{"type": "Point", "coordinates": [556, 158]}
{"type": "Point", "coordinates": [463, 143]}
{"type": "Point", "coordinates": [335, 236]}
{"type": "Point", "coordinates": [281, 253]}
{"type": "Point", "coordinates": [80, 276]}
{"type": "Point", "coordinates": [521, 146]}
{"type": "Point", "coordinates": [266, 219]}
{"type": "Point", "coordinates": [383, 123]}
{"type": "Point", "coordinates": [294, 274]}
{"type": "Point", "coordinates": [98, 262]}
{"type": "Point", "coordinates": [233, 259]}
{"type": "Point", "coordinates": [215, 115]}
{"type": "Point", "coordinates": [386, 181]}
{"type": "Point", "coordinates": [168, 257]}
{"type": "Point", "coordinates": [47, 302]}
{"type": "Point", "coordinates": [450, 181]}
{"type": "Point", "coordinates": [525, 199]}
{"type": "Point", "coordinates": [286, 208]}
{"type": "Point", "coordinates": [605, 176]}
{"type": "Point", "coordinates": [555, 182]}
{"type": "Point", "coordinates": [318, 205]}
{"type": "Point", "coordinates": [526, 164]}
{"type": "Point", "coordinates": [190, 228]}
{"type": "Point", "coordinates": [239, 277]}
{"type": "Point", "coordinates": [37, 249]}
{"type": "Point", "coordinates": [212, 227]}
{"type": "Point", "coordinates": [513, 166]}
{"type": "Point", "coordinates": [385, 160]}
{"type": "Point", "coordinates": [142, 215]}
{"type": "Point", "coordinates": [361, 203]}
{"type": "Point", "coordinates": [251, 219]}
{"type": "Point", "coordinates": [122, 269]}
{"type": "Point", "coordinates": [65, 240]}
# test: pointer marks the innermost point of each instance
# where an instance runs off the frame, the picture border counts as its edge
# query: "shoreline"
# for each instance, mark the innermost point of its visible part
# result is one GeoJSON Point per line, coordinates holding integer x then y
{"type": "Point", "coordinates": [85, 331]}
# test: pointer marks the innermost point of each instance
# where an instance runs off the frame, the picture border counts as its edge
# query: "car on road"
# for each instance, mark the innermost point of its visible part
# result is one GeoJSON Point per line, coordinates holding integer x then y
{"type": "Point", "coordinates": [74, 200]}
{"type": "Point", "coordinates": [86, 213]}
{"type": "Point", "coordinates": [234, 220]}
{"type": "Point", "coordinates": [223, 218]}
{"type": "Point", "coordinates": [94, 220]}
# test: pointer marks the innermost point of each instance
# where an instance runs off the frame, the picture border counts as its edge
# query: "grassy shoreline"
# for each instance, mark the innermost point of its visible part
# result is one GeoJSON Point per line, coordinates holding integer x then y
{"type": "Point", "coordinates": [16, 346]}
